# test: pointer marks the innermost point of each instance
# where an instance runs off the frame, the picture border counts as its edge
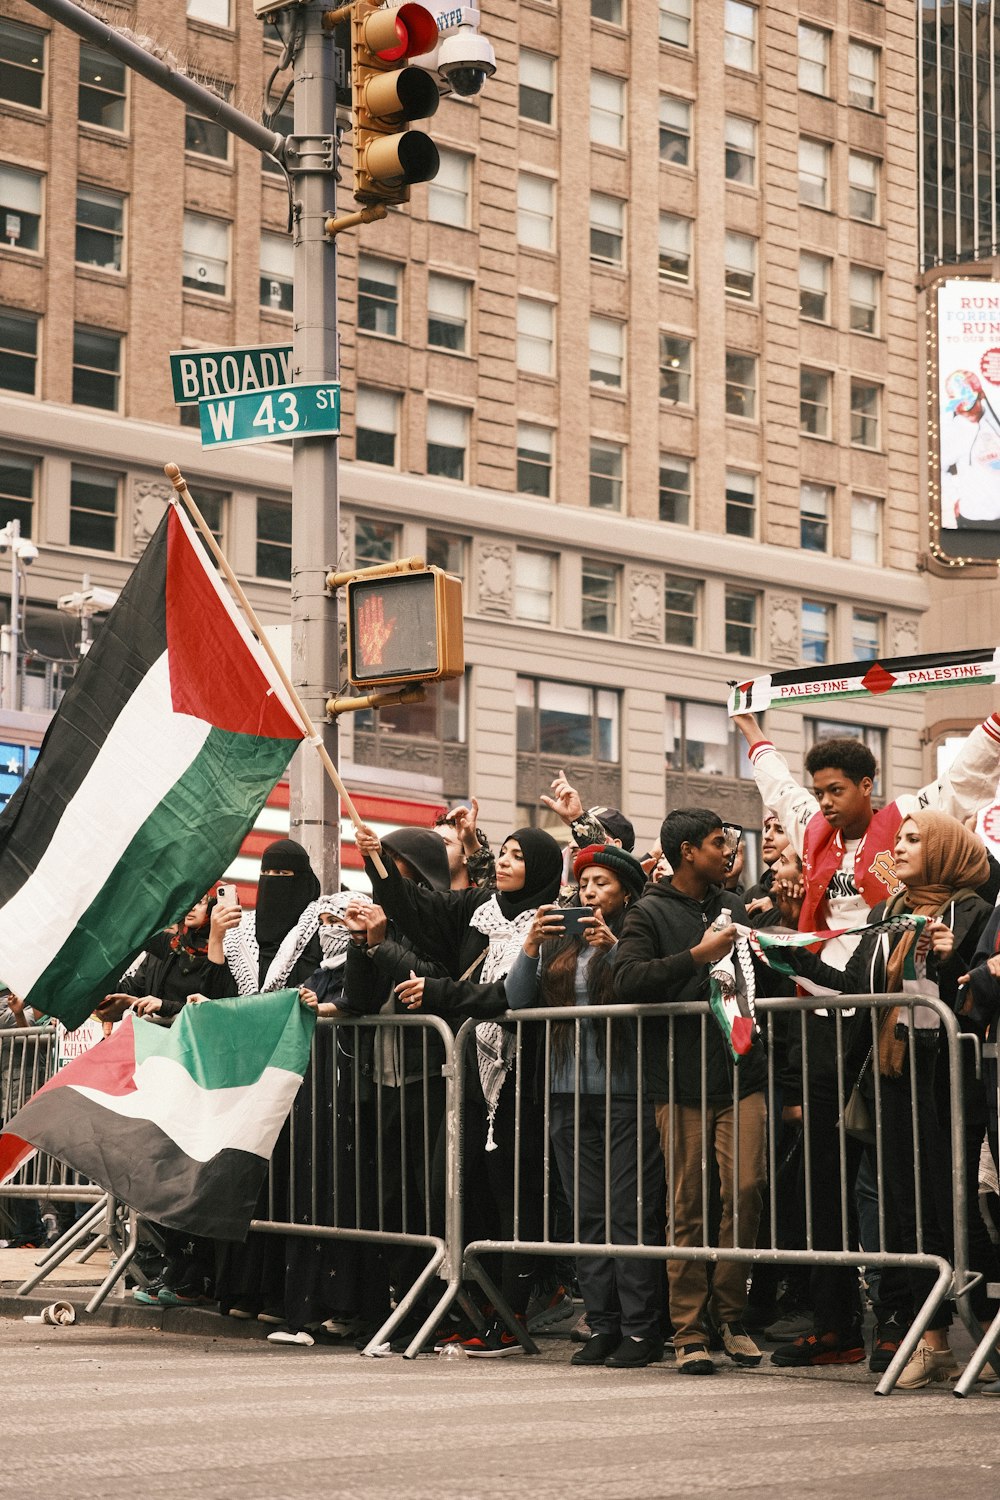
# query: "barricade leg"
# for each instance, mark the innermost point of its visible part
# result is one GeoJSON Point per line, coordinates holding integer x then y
{"type": "Point", "coordinates": [985, 1350]}
{"type": "Point", "coordinates": [915, 1332]}
{"type": "Point", "coordinates": [504, 1310]}
{"type": "Point", "coordinates": [64, 1247]}
{"type": "Point", "coordinates": [118, 1270]}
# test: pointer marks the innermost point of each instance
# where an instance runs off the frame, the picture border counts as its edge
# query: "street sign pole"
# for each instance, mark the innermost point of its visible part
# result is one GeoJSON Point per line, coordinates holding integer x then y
{"type": "Point", "coordinates": [315, 805]}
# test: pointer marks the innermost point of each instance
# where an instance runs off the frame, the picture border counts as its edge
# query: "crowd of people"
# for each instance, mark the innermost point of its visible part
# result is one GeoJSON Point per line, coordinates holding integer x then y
{"type": "Point", "coordinates": [572, 1130]}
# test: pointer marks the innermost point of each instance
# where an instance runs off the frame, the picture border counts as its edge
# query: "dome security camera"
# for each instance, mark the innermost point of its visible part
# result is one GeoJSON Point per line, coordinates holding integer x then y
{"type": "Point", "coordinates": [465, 61]}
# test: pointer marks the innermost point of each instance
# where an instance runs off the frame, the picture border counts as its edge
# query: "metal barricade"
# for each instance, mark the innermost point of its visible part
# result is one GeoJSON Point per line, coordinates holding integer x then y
{"type": "Point", "coordinates": [370, 1155]}
{"type": "Point", "coordinates": [28, 1059]}
{"type": "Point", "coordinates": [933, 1256]}
{"type": "Point", "coordinates": [990, 1342]}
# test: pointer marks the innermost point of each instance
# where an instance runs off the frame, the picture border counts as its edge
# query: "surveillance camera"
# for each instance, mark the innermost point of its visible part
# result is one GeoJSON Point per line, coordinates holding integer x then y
{"type": "Point", "coordinates": [27, 552]}
{"type": "Point", "coordinates": [465, 61]}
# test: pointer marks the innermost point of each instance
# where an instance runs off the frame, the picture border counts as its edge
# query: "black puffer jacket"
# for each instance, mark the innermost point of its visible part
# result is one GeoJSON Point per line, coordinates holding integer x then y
{"type": "Point", "coordinates": [171, 974]}
{"type": "Point", "coordinates": [654, 966]}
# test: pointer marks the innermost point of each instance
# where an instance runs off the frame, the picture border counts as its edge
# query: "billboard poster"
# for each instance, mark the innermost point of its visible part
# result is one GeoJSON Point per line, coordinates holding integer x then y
{"type": "Point", "coordinates": [968, 418]}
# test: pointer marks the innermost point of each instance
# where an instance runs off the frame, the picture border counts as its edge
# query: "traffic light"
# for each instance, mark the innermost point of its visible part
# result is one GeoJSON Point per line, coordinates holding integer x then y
{"type": "Point", "coordinates": [404, 627]}
{"type": "Point", "coordinates": [385, 97]}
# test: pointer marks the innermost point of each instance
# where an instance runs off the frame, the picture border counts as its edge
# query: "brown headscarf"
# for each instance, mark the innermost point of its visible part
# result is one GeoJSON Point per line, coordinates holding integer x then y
{"type": "Point", "coordinates": [955, 862]}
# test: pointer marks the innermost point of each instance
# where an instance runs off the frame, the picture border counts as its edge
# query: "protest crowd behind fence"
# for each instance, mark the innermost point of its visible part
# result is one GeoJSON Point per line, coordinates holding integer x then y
{"type": "Point", "coordinates": [580, 1091]}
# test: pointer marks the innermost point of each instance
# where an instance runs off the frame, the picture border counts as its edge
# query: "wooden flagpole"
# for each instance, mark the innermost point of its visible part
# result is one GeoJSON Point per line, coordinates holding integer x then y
{"type": "Point", "coordinates": [179, 483]}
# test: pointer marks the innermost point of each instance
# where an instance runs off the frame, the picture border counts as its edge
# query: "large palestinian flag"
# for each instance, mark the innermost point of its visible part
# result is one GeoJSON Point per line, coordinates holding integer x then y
{"type": "Point", "coordinates": [164, 750]}
{"type": "Point", "coordinates": [178, 1122]}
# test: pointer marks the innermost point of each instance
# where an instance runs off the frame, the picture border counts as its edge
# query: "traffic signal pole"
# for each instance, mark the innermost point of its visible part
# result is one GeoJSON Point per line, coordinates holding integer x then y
{"type": "Point", "coordinates": [309, 157]}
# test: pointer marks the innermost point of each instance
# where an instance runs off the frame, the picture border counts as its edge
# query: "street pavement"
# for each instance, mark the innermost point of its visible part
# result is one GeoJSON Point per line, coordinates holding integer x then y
{"type": "Point", "coordinates": [93, 1411]}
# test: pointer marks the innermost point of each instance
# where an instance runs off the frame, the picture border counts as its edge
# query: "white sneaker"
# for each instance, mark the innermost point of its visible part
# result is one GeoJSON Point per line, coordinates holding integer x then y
{"type": "Point", "coordinates": [927, 1364]}
{"type": "Point", "coordinates": [291, 1336]}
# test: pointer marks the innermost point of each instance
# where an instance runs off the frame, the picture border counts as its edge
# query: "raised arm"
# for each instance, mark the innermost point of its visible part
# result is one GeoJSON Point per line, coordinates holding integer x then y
{"type": "Point", "coordinates": [786, 797]}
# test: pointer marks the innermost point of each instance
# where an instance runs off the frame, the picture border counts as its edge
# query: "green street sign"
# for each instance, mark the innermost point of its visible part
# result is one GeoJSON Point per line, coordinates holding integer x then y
{"type": "Point", "coordinates": [268, 416]}
{"type": "Point", "coordinates": [202, 374]}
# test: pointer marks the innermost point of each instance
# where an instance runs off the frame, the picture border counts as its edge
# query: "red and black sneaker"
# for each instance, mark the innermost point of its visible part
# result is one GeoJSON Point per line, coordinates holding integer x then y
{"type": "Point", "coordinates": [821, 1349]}
{"type": "Point", "coordinates": [888, 1337]}
{"type": "Point", "coordinates": [496, 1342]}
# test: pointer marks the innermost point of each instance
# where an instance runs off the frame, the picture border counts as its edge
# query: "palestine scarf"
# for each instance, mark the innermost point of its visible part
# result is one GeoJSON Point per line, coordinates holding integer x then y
{"type": "Point", "coordinates": [504, 920]}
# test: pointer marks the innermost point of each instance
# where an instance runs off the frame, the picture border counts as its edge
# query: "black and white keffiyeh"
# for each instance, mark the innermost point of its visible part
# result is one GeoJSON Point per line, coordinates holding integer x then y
{"type": "Point", "coordinates": [243, 953]}
{"type": "Point", "coordinates": [496, 1044]}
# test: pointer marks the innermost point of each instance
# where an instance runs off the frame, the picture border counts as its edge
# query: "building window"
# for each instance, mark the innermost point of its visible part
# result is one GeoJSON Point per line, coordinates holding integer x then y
{"type": "Point", "coordinates": [276, 259]}
{"type": "Point", "coordinates": [681, 610]}
{"type": "Point", "coordinates": [814, 286]}
{"type": "Point", "coordinates": [213, 505]}
{"type": "Point", "coordinates": [866, 636]}
{"type": "Point", "coordinates": [376, 426]}
{"type": "Point", "coordinates": [866, 290]}
{"type": "Point", "coordinates": [375, 542]}
{"type": "Point", "coordinates": [206, 255]}
{"type": "Point", "coordinates": [100, 228]}
{"type": "Point", "coordinates": [206, 137]}
{"type": "Point", "coordinates": [607, 229]}
{"type": "Point", "coordinates": [815, 509]}
{"type": "Point", "coordinates": [599, 590]}
{"type": "Point", "coordinates": [814, 403]}
{"type": "Point", "coordinates": [675, 248]}
{"type": "Point", "coordinates": [447, 440]}
{"type": "Point", "coordinates": [675, 22]}
{"type": "Point", "coordinates": [274, 539]}
{"type": "Point", "coordinates": [814, 59]}
{"type": "Point", "coordinates": [536, 84]}
{"type": "Point", "coordinates": [675, 489]}
{"type": "Point", "coordinates": [536, 323]}
{"type": "Point", "coordinates": [606, 465]}
{"type": "Point", "coordinates": [675, 131]}
{"type": "Point", "coordinates": [447, 313]}
{"type": "Point", "coordinates": [22, 64]}
{"type": "Point", "coordinates": [675, 369]}
{"type": "Point", "coordinates": [17, 490]}
{"type": "Point", "coordinates": [534, 575]}
{"type": "Point", "coordinates": [701, 737]}
{"type": "Point", "coordinates": [607, 110]}
{"type": "Point", "coordinates": [864, 414]}
{"type": "Point", "coordinates": [741, 503]}
{"type": "Point", "coordinates": [741, 385]}
{"type": "Point", "coordinates": [740, 36]}
{"type": "Point", "coordinates": [866, 530]}
{"type": "Point", "coordinates": [18, 352]}
{"type": "Point", "coordinates": [96, 367]}
{"type": "Point", "coordinates": [566, 720]}
{"type": "Point", "coordinates": [741, 150]}
{"type": "Point", "coordinates": [378, 296]}
{"type": "Point", "coordinates": [741, 622]}
{"type": "Point", "coordinates": [20, 208]}
{"type": "Point", "coordinates": [447, 552]}
{"type": "Point", "coordinates": [611, 11]}
{"type": "Point", "coordinates": [607, 352]}
{"type": "Point", "coordinates": [535, 211]}
{"type": "Point", "coordinates": [814, 173]}
{"type": "Point", "coordinates": [741, 265]}
{"type": "Point", "coordinates": [534, 459]}
{"type": "Point", "coordinates": [862, 75]}
{"type": "Point", "coordinates": [815, 633]}
{"type": "Point", "coordinates": [215, 12]}
{"type": "Point", "coordinates": [283, 123]}
{"type": "Point", "coordinates": [102, 89]}
{"type": "Point", "coordinates": [448, 194]}
{"type": "Point", "coordinates": [93, 509]}
{"type": "Point", "coordinates": [862, 187]}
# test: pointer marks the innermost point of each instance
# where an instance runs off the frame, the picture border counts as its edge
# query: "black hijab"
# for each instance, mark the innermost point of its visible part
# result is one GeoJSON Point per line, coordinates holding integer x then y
{"type": "Point", "coordinates": [542, 872]}
{"type": "Point", "coordinates": [281, 899]}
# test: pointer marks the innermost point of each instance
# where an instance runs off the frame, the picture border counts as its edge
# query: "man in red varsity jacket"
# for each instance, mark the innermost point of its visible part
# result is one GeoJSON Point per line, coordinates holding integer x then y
{"type": "Point", "coordinates": [845, 844]}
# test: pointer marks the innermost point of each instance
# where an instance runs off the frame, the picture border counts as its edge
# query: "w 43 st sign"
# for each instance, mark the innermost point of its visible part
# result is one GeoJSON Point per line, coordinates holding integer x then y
{"type": "Point", "coordinates": [285, 411]}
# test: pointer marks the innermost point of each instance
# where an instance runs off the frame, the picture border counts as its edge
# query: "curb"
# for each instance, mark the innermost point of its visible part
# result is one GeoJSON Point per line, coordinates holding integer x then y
{"type": "Point", "coordinates": [117, 1312]}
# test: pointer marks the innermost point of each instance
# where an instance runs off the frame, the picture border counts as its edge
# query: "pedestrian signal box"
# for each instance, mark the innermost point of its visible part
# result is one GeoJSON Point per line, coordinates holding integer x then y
{"type": "Point", "coordinates": [404, 627]}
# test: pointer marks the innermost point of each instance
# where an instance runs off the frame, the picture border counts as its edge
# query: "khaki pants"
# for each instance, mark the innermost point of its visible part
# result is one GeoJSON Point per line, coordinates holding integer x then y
{"type": "Point", "coordinates": [680, 1136]}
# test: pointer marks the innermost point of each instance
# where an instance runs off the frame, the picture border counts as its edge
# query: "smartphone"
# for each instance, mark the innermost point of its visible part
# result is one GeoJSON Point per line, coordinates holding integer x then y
{"type": "Point", "coordinates": [572, 917]}
{"type": "Point", "coordinates": [228, 895]}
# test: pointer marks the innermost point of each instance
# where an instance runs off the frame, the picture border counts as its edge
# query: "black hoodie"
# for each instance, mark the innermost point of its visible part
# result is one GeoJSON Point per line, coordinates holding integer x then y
{"type": "Point", "coordinates": [654, 966]}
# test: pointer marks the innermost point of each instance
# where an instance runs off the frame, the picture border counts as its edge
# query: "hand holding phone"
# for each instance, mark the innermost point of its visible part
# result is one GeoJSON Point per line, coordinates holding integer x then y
{"type": "Point", "coordinates": [228, 895]}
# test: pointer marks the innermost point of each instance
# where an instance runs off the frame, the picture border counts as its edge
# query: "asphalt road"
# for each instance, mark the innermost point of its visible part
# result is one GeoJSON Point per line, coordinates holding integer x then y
{"type": "Point", "coordinates": [93, 1412]}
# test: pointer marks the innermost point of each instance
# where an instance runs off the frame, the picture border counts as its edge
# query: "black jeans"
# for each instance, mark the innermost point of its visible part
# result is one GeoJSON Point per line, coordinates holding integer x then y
{"type": "Point", "coordinates": [620, 1295]}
